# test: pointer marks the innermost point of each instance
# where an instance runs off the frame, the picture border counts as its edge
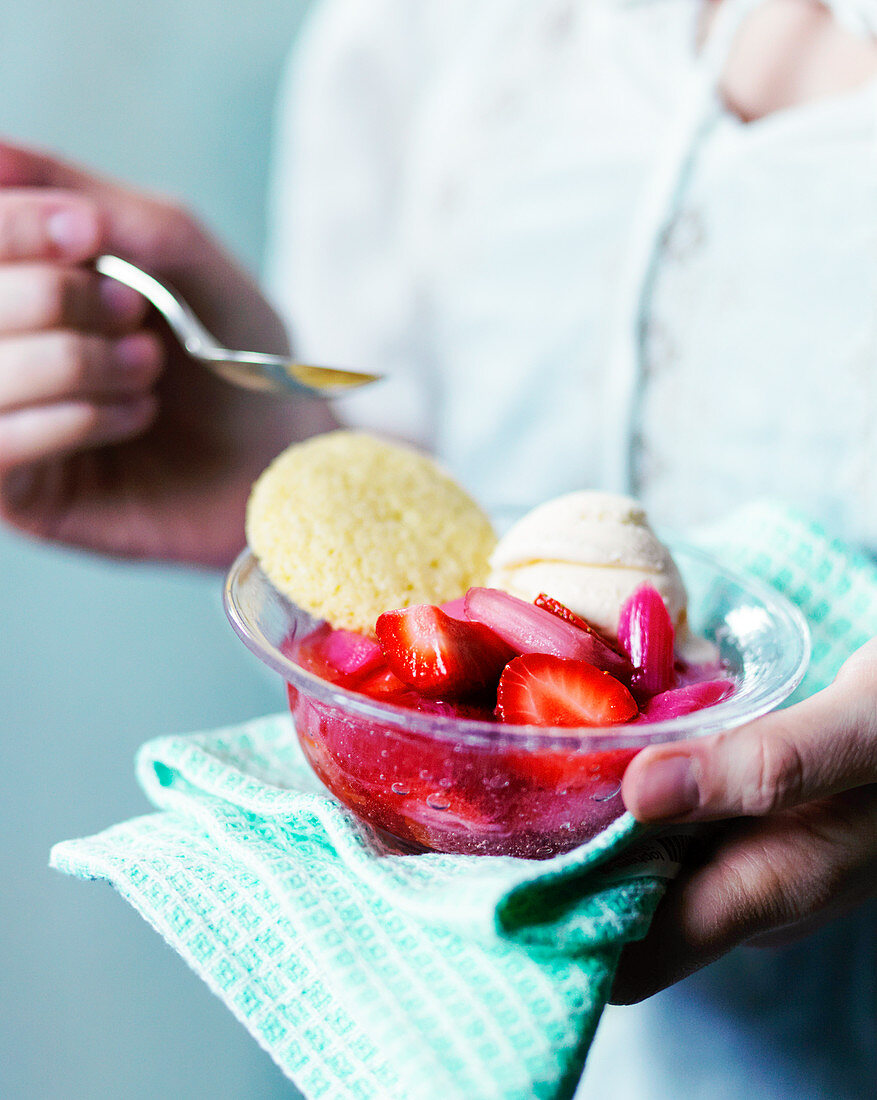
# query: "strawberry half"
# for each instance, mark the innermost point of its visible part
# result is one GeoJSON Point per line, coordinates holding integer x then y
{"type": "Point", "coordinates": [383, 684]}
{"type": "Point", "coordinates": [539, 689]}
{"type": "Point", "coordinates": [441, 656]}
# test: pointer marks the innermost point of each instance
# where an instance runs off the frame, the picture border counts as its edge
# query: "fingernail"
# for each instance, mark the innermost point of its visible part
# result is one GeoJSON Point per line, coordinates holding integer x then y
{"type": "Point", "coordinates": [135, 353]}
{"type": "Point", "coordinates": [72, 231]}
{"type": "Point", "coordinates": [667, 788]}
{"type": "Point", "coordinates": [123, 303]}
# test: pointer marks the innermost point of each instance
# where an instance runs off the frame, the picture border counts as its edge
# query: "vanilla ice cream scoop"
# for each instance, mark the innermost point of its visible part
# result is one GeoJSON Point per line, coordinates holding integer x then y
{"type": "Point", "coordinates": [589, 550]}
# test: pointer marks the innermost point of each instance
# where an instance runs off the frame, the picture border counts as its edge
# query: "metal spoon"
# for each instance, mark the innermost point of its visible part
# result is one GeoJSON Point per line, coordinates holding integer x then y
{"type": "Point", "coordinates": [253, 369]}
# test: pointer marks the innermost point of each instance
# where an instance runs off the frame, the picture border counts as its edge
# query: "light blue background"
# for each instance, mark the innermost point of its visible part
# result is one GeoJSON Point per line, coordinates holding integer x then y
{"type": "Point", "coordinates": [96, 657]}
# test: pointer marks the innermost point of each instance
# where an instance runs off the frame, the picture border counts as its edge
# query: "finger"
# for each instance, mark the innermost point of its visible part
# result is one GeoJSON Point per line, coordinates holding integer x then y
{"type": "Point", "coordinates": [794, 872]}
{"type": "Point", "coordinates": [824, 745]}
{"type": "Point", "coordinates": [140, 227]}
{"type": "Point", "coordinates": [45, 225]}
{"type": "Point", "coordinates": [48, 296]}
{"type": "Point", "coordinates": [24, 166]}
{"type": "Point", "coordinates": [49, 431]}
{"type": "Point", "coordinates": [52, 366]}
{"type": "Point", "coordinates": [155, 233]}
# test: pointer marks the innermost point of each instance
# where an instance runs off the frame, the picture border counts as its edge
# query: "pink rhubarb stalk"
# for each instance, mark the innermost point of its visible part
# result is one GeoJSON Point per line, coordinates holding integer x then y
{"type": "Point", "coordinates": [645, 630]}
{"type": "Point", "coordinates": [352, 653]}
{"type": "Point", "coordinates": [530, 629]}
{"type": "Point", "coordinates": [685, 700]}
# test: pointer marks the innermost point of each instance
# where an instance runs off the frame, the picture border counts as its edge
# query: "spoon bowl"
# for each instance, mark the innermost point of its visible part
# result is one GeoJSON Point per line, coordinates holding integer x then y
{"type": "Point", "coordinates": [252, 369]}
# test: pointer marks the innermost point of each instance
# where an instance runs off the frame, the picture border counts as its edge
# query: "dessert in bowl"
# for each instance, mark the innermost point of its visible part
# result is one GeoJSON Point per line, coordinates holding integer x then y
{"type": "Point", "coordinates": [463, 722]}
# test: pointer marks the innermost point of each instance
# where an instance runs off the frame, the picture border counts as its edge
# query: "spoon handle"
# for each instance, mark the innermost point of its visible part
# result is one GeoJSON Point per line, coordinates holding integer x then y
{"type": "Point", "coordinates": [251, 369]}
{"type": "Point", "coordinates": [185, 325]}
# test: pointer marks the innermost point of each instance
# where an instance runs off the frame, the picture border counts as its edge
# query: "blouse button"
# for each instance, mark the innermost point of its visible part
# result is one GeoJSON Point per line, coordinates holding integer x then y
{"type": "Point", "coordinates": [659, 350]}
{"type": "Point", "coordinates": [684, 235]}
{"type": "Point", "coordinates": [645, 465]}
{"type": "Point", "coordinates": [560, 22]}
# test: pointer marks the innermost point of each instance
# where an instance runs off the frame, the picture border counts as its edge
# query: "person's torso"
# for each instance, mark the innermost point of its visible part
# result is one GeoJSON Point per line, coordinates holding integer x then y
{"type": "Point", "coordinates": [528, 151]}
{"type": "Point", "coordinates": [469, 186]}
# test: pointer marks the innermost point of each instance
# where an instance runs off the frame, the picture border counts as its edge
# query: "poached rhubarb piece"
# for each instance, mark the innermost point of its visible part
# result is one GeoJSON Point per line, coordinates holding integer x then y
{"type": "Point", "coordinates": [685, 700]}
{"type": "Point", "coordinates": [527, 628]}
{"type": "Point", "coordinates": [352, 653]}
{"type": "Point", "coordinates": [549, 603]}
{"type": "Point", "coordinates": [645, 630]}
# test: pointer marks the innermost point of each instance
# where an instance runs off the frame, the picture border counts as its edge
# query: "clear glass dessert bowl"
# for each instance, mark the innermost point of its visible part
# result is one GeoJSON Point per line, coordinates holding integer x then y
{"type": "Point", "coordinates": [435, 782]}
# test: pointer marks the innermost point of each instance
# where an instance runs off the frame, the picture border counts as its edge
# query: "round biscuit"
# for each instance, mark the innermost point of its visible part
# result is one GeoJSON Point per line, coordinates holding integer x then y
{"type": "Point", "coordinates": [348, 526]}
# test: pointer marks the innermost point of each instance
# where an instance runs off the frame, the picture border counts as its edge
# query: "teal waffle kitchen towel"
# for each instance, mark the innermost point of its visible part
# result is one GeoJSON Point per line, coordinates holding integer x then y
{"type": "Point", "coordinates": [369, 975]}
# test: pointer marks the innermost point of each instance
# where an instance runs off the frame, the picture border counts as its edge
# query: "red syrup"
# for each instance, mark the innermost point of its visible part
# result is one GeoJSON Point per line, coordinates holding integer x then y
{"type": "Point", "coordinates": [480, 792]}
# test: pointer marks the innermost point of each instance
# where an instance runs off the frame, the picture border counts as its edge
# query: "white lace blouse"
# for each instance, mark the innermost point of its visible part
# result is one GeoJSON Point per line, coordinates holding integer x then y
{"type": "Point", "coordinates": [577, 269]}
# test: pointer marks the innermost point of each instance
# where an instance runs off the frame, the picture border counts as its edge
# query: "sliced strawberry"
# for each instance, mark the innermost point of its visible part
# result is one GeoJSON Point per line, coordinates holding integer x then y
{"type": "Point", "coordinates": [562, 611]}
{"type": "Point", "coordinates": [540, 689]}
{"type": "Point", "coordinates": [441, 656]}
{"type": "Point", "coordinates": [381, 682]}
{"type": "Point", "coordinates": [645, 629]}
{"type": "Point", "coordinates": [531, 629]}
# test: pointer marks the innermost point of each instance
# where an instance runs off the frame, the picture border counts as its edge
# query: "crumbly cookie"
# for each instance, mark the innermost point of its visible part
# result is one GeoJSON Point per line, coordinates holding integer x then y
{"type": "Point", "coordinates": [348, 526]}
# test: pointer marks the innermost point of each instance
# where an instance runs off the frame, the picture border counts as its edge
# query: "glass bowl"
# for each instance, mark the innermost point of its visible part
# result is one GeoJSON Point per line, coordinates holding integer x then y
{"type": "Point", "coordinates": [440, 783]}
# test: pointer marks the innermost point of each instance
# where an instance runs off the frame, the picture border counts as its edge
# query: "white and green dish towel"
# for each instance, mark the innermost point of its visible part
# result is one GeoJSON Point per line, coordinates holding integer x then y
{"type": "Point", "coordinates": [368, 975]}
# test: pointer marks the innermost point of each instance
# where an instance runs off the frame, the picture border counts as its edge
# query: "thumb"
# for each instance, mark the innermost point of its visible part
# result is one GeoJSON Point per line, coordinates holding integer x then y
{"type": "Point", "coordinates": [822, 746]}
